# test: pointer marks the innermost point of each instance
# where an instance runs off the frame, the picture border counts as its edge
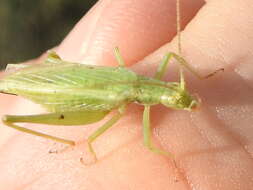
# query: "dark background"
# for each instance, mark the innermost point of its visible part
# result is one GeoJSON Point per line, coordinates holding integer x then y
{"type": "Point", "coordinates": [30, 27]}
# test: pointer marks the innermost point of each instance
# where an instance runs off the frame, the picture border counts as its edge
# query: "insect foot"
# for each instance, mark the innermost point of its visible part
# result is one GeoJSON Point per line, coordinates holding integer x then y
{"type": "Point", "coordinates": [86, 156]}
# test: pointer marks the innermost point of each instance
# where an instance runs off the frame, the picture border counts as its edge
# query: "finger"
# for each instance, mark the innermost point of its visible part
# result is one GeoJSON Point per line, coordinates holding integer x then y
{"type": "Point", "coordinates": [136, 27]}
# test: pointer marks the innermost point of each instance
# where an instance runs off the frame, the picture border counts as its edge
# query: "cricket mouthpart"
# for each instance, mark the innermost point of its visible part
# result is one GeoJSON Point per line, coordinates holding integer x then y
{"type": "Point", "coordinates": [193, 105]}
{"type": "Point", "coordinates": [196, 100]}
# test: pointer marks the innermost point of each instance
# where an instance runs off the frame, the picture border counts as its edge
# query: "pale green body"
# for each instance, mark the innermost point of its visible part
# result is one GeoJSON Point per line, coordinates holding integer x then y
{"type": "Point", "coordinates": [66, 86]}
{"type": "Point", "coordinates": [77, 94]}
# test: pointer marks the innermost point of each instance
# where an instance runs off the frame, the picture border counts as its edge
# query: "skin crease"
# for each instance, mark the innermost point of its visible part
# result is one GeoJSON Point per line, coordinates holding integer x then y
{"type": "Point", "coordinates": [213, 145]}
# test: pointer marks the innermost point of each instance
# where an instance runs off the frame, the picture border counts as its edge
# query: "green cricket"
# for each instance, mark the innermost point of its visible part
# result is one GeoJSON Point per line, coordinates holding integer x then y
{"type": "Point", "coordinates": [78, 94]}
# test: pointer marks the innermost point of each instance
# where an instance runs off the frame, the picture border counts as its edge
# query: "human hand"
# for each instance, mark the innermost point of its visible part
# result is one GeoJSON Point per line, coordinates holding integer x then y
{"type": "Point", "coordinates": [213, 145]}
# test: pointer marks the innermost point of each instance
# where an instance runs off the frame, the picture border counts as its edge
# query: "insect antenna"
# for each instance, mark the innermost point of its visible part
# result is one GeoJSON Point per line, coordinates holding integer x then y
{"type": "Point", "coordinates": [179, 47]}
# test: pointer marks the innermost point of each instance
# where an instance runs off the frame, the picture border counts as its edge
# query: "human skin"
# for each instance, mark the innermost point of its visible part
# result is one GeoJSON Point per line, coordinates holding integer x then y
{"type": "Point", "coordinates": [212, 145]}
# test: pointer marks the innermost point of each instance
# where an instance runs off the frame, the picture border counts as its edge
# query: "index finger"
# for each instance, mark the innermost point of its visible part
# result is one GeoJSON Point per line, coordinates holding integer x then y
{"type": "Point", "coordinates": [136, 27]}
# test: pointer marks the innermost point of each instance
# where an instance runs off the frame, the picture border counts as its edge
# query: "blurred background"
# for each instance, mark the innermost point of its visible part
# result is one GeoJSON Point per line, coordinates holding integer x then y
{"type": "Point", "coordinates": [30, 27]}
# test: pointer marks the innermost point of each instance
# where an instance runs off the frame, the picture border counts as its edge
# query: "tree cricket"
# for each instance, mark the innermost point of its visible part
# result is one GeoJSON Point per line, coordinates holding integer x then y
{"type": "Point", "coordinates": [78, 94]}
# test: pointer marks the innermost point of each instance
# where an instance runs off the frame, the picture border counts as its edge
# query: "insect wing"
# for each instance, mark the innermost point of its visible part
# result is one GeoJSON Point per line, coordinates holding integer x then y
{"type": "Point", "coordinates": [69, 86]}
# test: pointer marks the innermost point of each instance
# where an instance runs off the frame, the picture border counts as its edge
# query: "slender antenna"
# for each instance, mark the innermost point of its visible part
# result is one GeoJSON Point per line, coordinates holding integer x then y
{"type": "Point", "coordinates": [182, 81]}
{"type": "Point", "coordinates": [178, 27]}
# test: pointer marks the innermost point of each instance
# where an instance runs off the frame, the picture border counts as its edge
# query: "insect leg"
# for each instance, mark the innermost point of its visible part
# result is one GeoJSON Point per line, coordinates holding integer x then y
{"type": "Point", "coordinates": [163, 66]}
{"type": "Point", "coordinates": [103, 128]}
{"type": "Point", "coordinates": [8, 122]}
{"type": "Point", "coordinates": [53, 57]}
{"type": "Point", "coordinates": [65, 118]}
{"type": "Point", "coordinates": [118, 57]}
{"type": "Point", "coordinates": [147, 135]}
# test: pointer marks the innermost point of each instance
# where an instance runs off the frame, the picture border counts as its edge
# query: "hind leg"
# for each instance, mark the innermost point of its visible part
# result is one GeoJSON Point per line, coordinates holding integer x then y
{"type": "Point", "coordinates": [64, 118]}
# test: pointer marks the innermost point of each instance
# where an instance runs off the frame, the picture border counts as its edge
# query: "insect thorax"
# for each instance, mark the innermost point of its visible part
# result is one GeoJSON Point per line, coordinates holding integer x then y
{"type": "Point", "coordinates": [171, 95]}
{"type": "Point", "coordinates": [150, 91]}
